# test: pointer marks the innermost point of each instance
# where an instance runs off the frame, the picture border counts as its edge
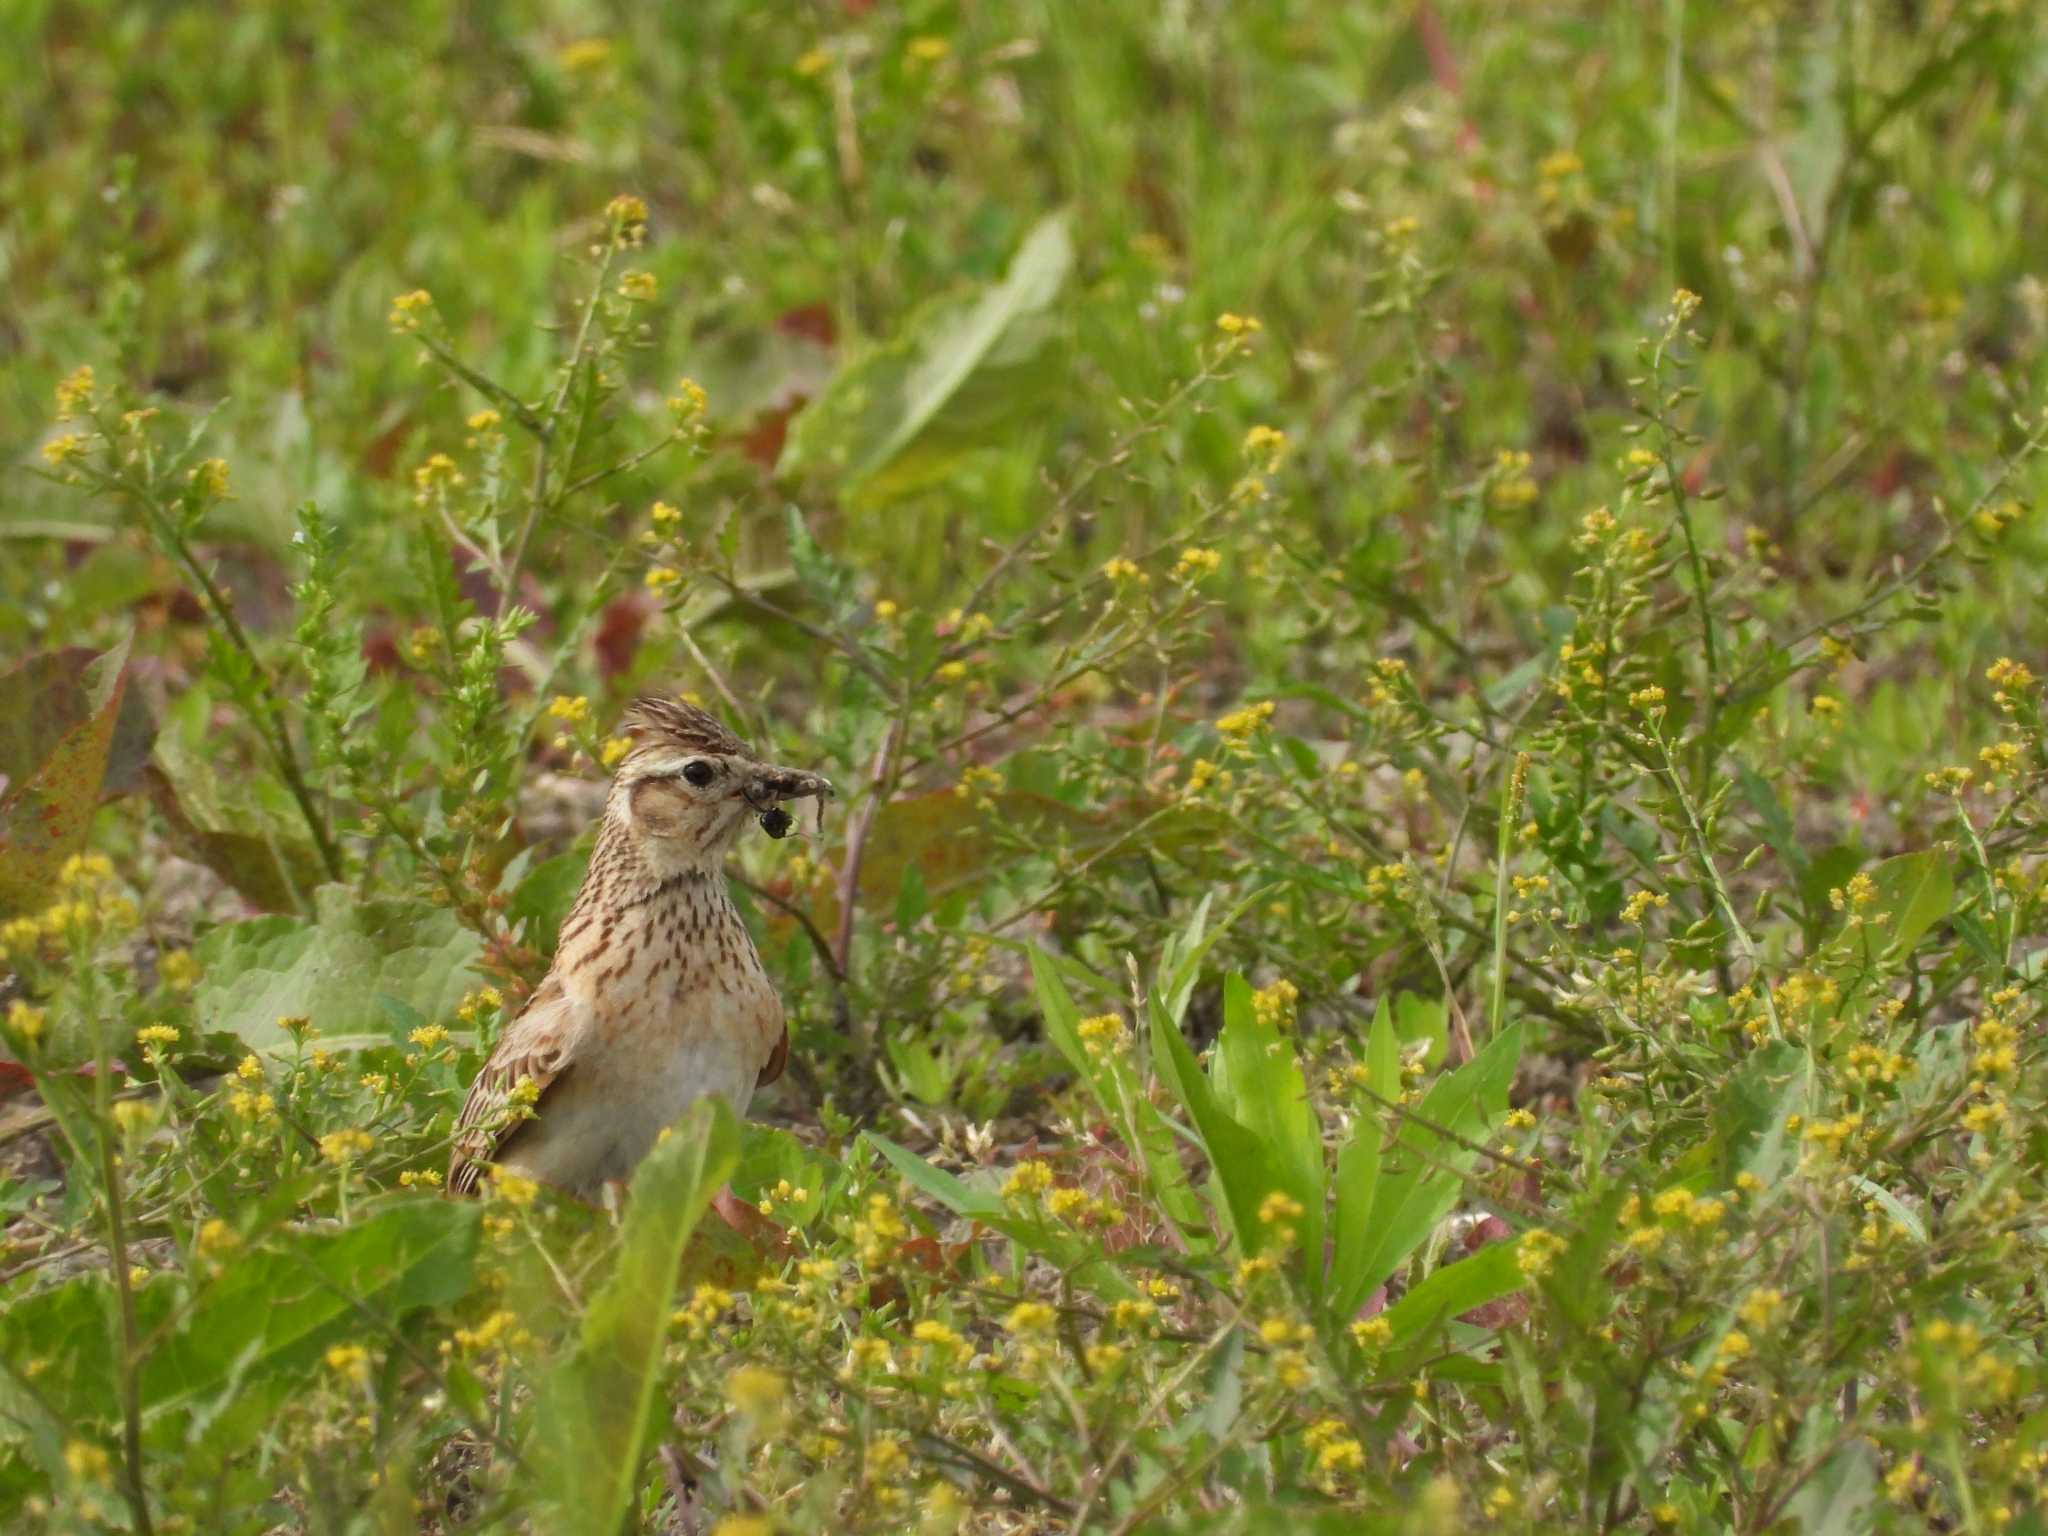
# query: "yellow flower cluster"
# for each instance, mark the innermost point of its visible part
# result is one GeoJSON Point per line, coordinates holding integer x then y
{"type": "Point", "coordinates": [1266, 447]}
{"type": "Point", "coordinates": [1242, 723]}
{"type": "Point", "coordinates": [75, 393]}
{"type": "Point", "coordinates": [1273, 1006]}
{"type": "Point", "coordinates": [1027, 1179]}
{"type": "Point", "coordinates": [345, 1146]}
{"type": "Point", "coordinates": [1102, 1035]}
{"type": "Point", "coordinates": [627, 216]}
{"type": "Point", "coordinates": [1511, 487]}
{"type": "Point", "coordinates": [1337, 1453]}
{"type": "Point", "coordinates": [408, 310]}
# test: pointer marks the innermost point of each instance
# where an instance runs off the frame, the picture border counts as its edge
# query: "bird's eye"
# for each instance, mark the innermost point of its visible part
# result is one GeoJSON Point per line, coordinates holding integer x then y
{"type": "Point", "coordinates": [699, 772]}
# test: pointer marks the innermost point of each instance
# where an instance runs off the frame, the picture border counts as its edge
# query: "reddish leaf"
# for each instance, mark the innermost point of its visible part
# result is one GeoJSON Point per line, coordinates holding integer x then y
{"type": "Point", "coordinates": [46, 812]}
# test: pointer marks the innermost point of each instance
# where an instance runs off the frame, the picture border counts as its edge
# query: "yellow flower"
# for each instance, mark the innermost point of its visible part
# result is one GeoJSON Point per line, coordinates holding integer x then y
{"type": "Point", "coordinates": [176, 969]}
{"type": "Point", "coordinates": [215, 1238]}
{"type": "Point", "coordinates": [1267, 445]}
{"type": "Point", "coordinates": [814, 62]}
{"type": "Point", "coordinates": [1558, 165]}
{"type": "Point", "coordinates": [209, 477]}
{"type": "Point", "coordinates": [1102, 1034]}
{"type": "Point", "coordinates": [514, 1189]}
{"type": "Point", "coordinates": [663, 516]}
{"type": "Point", "coordinates": [756, 1391]}
{"type": "Point", "coordinates": [661, 578]}
{"type": "Point", "coordinates": [74, 392]}
{"type": "Point", "coordinates": [1761, 1307]}
{"type": "Point", "coordinates": [1241, 723]}
{"type": "Point", "coordinates": [1537, 1252]}
{"type": "Point", "coordinates": [1684, 305]}
{"type": "Point", "coordinates": [627, 216]}
{"type": "Point", "coordinates": [1237, 326]}
{"type": "Point", "coordinates": [927, 50]}
{"type": "Point", "coordinates": [951, 672]}
{"type": "Point", "coordinates": [1638, 906]}
{"type": "Point", "coordinates": [427, 1036]}
{"type": "Point", "coordinates": [408, 309]}
{"type": "Point", "coordinates": [345, 1146]}
{"type": "Point", "coordinates": [639, 287]}
{"type": "Point", "coordinates": [349, 1360]}
{"type": "Point", "coordinates": [27, 1022]}
{"type": "Point", "coordinates": [585, 55]}
{"type": "Point", "coordinates": [1030, 1317]}
{"type": "Point", "coordinates": [87, 1462]}
{"type": "Point", "coordinates": [62, 450]}
{"type": "Point", "coordinates": [689, 403]}
{"type": "Point", "coordinates": [434, 479]}
{"type": "Point", "coordinates": [1028, 1178]}
{"type": "Point", "coordinates": [573, 709]}
{"type": "Point", "coordinates": [615, 748]}
{"type": "Point", "coordinates": [157, 1034]}
{"type": "Point", "coordinates": [1196, 562]}
{"type": "Point", "coordinates": [484, 421]}
{"type": "Point", "coordinates": [1103, 1358]}
{"type": "Point", "coordinates": [1279, 1206]}
{"type": "Point", "coordinates": [419, 1178]}
{"type": "Point", "coordinates": [1119, 569]}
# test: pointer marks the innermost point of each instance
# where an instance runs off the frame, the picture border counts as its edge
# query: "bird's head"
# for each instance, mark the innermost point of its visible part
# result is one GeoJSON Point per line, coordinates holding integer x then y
{"type": "Point", "coordinates": [687, 786]}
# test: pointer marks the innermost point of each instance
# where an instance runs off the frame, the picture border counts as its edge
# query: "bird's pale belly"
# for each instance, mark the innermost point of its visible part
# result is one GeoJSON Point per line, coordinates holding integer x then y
{"type": "Point", "coordinates": [606, 1113]}
{"type": "Point", "coordinates": [599, 1123]}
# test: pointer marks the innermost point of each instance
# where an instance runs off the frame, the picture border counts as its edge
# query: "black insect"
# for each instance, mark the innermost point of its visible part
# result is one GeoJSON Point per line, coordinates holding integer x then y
{"type": "Point", "coordinates": [776, 822]}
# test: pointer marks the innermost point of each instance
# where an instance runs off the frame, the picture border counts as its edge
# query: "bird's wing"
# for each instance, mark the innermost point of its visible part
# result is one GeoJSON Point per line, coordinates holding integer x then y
{"type": "Point", "coordinates": [539, 1045]}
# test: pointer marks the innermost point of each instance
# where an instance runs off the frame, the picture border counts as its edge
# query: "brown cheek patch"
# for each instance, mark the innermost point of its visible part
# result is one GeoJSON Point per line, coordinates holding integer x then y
{"type": "Point", "coordinates": [660, 808]}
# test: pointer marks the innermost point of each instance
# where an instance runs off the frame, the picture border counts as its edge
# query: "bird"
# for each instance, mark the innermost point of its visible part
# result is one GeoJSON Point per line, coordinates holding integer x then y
{"type": "Point", "coordinates": [657, 996]}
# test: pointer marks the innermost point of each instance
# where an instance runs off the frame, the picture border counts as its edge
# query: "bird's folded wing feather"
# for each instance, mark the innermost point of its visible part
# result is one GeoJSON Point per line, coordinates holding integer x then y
{"type": "Point", "coordinates": [539, 1045]}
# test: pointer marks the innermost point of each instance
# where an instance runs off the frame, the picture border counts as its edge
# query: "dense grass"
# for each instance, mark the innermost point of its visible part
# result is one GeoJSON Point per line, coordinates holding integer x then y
{"type": "Point", "coordinates": [1429, 616]}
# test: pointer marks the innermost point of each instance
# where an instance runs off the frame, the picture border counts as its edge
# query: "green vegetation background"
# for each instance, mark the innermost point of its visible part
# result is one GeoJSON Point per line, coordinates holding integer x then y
{"type": "Point", "coordinates": [1485, 547]}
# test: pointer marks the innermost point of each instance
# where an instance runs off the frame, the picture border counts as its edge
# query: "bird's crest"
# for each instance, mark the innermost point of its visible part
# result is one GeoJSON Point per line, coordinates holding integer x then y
{"type": "Point", "coordinates": [672, 724]}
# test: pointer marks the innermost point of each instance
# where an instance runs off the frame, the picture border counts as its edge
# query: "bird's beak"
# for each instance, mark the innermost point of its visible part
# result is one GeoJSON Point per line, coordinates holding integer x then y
{"type": "Point", "coordinates": [768, 785]}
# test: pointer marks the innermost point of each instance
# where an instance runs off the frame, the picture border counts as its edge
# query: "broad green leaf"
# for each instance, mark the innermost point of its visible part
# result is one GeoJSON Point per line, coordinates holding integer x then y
{"type": "Point", "coordinates": [595, 1408]}
{"type": "Point", "coordinates": [1455, 1289]}
{"type": "Point", "coordinates": [1917, 889]}
{"type": "Point", "coordinates": [1358, 1177]}
{"type": "Point", "coordinates": [333, 968]}
{"type": "Point", "coordinates": [269, 1315]}
{"type": "Point", "coordinates": [1383, 1055]}
{"type": "Point", "coordinates": [1433, 1149]}
{"type": "Point", "coordinates": [286, 1304]}
{"type": "Point", "coordinates": [1257, 1080]}
{"type": "Point", "coordinates": [1239, 1160]}
{"type": "Point", "coordinates": [879, 404]}
{"type": "Point", "coordinates": [954, 1194]}
{"type": "Point", "coordinates": [1112, 1082]}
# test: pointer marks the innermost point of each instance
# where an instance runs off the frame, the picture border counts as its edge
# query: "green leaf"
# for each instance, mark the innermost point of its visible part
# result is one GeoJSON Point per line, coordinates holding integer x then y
{"type": "Point", "coordinates": [332, 969]}
{"type": "Point", "coordinates": [595, 1408]}
{"type": "Point", "coordinates": [1434, 1147]}
{"type": "Point", "coordinates": [882, 402]}
{"type": "Point", "coordinates": [266, 1318]}
{"type": "Point", "coordinates": [1258, 1082]}
{"type": "Point", "coordinates": [1453, 1290]}
{"type": "Point", "coordinates": [1358, 1177]}
{"type": "Point", "coordinates": [1239, 1160]}
{"type": "Point", "coordinates": [1917, 889]}
{"type": "Point", "coordinates": [280, 1308]}
{"type": "Point", "coordinates": [937, 1184]}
